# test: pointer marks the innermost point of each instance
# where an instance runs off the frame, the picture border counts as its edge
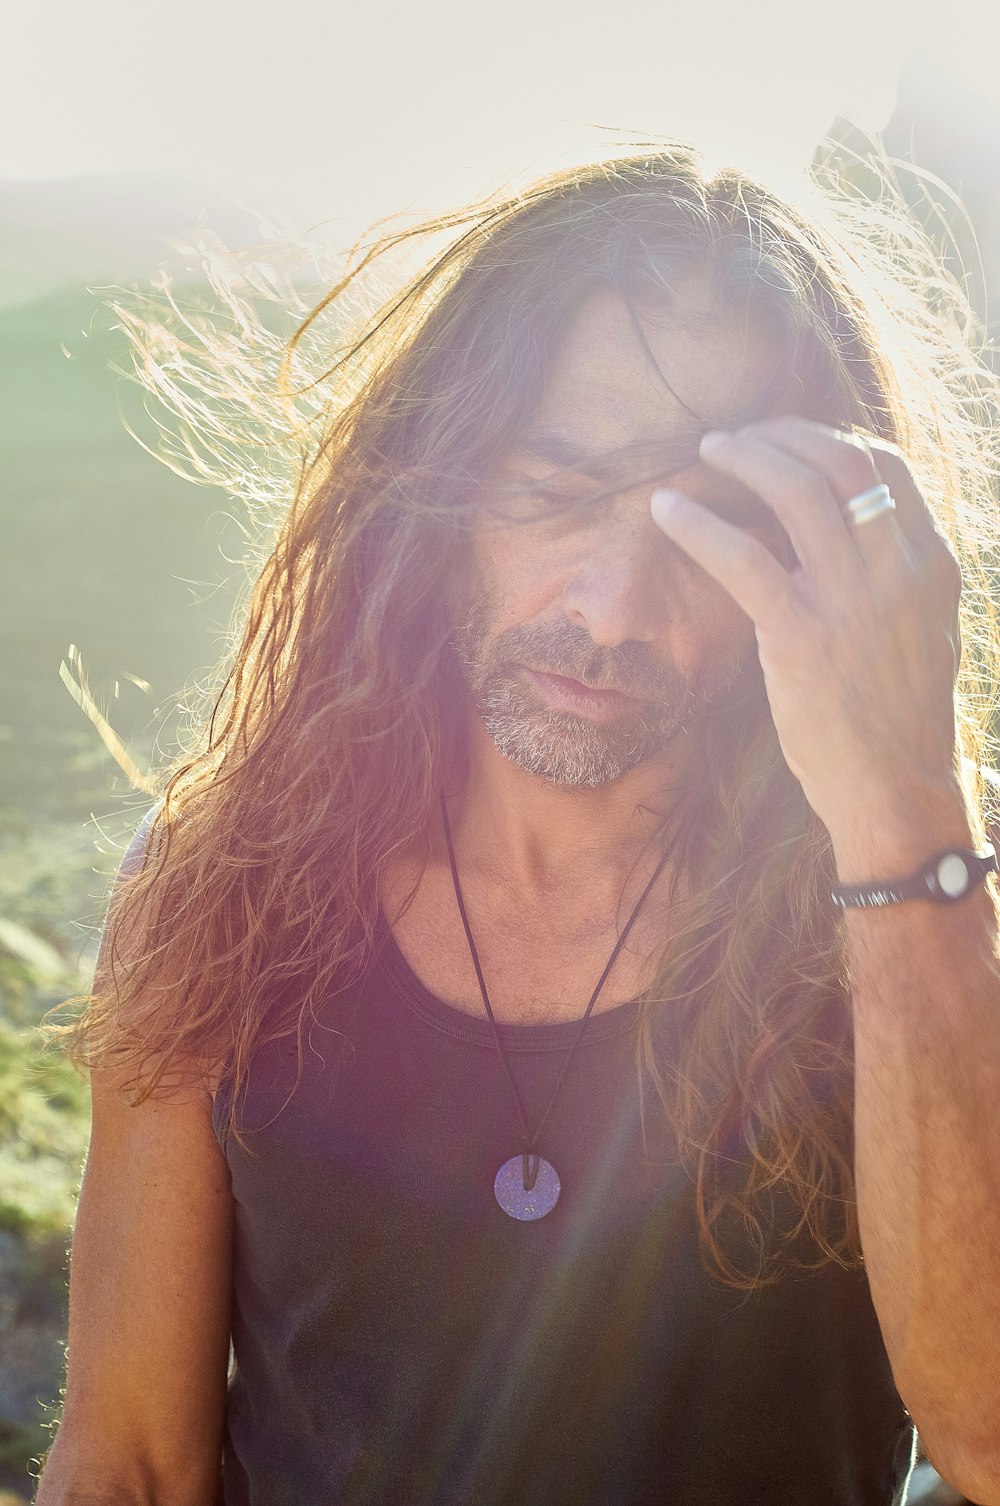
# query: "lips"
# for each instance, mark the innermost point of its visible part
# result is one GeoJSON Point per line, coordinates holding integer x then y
{"type": "Point", "coordinates": [581, 689]}
{"type": "Point", "coordinates": [575, 689]}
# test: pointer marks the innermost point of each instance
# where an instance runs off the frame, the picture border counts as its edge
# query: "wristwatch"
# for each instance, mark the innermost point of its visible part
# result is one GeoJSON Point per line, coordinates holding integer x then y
{"type": "Point", "coordinates": [945, 878]}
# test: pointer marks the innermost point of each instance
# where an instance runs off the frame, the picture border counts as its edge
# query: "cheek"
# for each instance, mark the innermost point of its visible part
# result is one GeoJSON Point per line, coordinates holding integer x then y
{"type": "Point", "coordinates": [705, 624]}
{"type": "Point", "coordinates": [513, 577]}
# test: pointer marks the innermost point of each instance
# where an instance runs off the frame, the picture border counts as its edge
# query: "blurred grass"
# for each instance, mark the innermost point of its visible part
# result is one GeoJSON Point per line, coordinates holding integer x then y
{"type": "Point", "coordinates": [53, 873]}
{"type": "Point", "coordinates": [44, 1126]}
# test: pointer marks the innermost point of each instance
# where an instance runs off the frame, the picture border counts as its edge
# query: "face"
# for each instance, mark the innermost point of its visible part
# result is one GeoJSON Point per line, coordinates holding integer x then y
{"type": "Point", "coordinates": [587, 641]}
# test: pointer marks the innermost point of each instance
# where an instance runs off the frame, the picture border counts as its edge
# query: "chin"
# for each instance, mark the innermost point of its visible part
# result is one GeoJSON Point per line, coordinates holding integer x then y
{"type": "Point", "coordinates": [571, 753]}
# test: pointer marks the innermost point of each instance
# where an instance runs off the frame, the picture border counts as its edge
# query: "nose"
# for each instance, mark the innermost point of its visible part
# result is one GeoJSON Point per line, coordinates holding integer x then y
{"type": "Point", "coordinates": [616, 588]}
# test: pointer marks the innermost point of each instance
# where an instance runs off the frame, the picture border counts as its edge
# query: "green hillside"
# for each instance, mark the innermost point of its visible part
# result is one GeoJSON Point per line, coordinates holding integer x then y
{"type": "Point", "coordinates": [106, 549]}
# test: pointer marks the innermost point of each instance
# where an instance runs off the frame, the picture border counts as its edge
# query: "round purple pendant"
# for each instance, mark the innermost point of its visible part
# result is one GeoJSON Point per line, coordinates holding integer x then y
{"type": "Point", "coordinates": [523, 1202]}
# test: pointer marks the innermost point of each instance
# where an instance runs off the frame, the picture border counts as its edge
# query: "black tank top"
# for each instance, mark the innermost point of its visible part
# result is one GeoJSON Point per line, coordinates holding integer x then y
{"type": "Point", "coordinates": [398, 1340]}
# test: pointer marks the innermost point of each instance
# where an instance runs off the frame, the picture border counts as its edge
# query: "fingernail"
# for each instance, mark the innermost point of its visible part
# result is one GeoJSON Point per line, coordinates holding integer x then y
{"type": "Point", "coordinates": [663, 503]}
{"type": "Point", "coordinates": [712, 437]}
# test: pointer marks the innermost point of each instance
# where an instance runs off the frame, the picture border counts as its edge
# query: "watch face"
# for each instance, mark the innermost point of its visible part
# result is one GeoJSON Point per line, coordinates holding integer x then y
{"type": "Point", "coordinates": [953, 875]}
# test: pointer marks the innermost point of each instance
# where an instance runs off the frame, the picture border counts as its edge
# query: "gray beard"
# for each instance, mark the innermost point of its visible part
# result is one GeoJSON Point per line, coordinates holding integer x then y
{"type": "Point", "coordinates": [559, 746]}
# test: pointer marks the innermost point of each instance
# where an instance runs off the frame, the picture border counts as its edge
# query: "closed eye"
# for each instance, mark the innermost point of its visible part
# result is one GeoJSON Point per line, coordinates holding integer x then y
{"type": "Point", "coordinates": [528, 501]}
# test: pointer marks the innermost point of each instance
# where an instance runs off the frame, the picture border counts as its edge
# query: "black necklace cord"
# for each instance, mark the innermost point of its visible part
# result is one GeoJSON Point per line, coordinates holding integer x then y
{"type": "Point", "coordinates": [479, 973]}
{"type": "Point", "coordinates": [530, 1159]}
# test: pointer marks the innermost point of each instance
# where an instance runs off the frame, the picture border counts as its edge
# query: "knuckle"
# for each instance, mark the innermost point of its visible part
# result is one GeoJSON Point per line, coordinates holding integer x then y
{"type": "Point", "coordinates": [857, 476]}
{"type": "Point", "coordinates": [942, 567]}
{"type": "Point", "coordinates": [860, 443]}
{"type": "Point", "coordinates": [856, 472]}
{"type": "Point", "coordinates": [893, 466]}
{"type": "Point", "coordinates": [815, 488]}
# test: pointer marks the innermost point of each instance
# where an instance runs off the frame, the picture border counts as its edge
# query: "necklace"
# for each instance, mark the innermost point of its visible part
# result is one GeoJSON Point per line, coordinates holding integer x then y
{"type": "Point", "coordinates": [527, 1186]}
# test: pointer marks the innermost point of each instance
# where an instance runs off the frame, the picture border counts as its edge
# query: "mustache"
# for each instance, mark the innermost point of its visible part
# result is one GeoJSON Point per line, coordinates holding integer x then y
{"type": "Point", "coordinates": [564, 650]}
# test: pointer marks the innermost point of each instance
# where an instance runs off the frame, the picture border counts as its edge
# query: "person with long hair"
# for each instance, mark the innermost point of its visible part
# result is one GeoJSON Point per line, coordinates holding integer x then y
{"type": "Point", "coordinates": [545, 1046]}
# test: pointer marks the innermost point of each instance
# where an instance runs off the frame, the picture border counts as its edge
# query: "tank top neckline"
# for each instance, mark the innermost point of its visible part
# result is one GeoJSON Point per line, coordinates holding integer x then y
{"type": "Point", "coordinates": [608, 1024]}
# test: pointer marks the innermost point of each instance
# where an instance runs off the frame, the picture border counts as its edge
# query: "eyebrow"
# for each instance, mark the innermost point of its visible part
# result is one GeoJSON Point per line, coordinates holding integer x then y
{"type": "Point", "coordinates": [547, 442]}
{"type": "Point", "coordinates": [679, 447]}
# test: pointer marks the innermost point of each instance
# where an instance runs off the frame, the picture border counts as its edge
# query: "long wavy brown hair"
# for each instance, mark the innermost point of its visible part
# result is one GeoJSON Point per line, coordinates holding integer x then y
{"type": "Point", "coordinates": [334, 720]}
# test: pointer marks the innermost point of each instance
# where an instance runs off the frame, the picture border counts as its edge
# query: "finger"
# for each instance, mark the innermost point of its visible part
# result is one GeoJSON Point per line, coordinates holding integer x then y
{"type": "Point", "coordinates": [913, 514]}
{"type": "Point", "coordinates": [854, 463]}
{"type": "Point", "coordinates": [846, 460]}
{"type": "Point", "coordinates": [878, 538]}
{"type": "Point", "coordinates": [799, 495]}
{"type": "Point", "coordinates": [741, 564]}
{"type": "Point", "coordinates": [848, 463]}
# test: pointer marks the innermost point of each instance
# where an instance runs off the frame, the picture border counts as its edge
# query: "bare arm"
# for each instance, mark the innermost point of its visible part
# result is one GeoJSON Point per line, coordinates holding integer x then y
{"type": "Point", "coordinates": [925, 983]}
{"type": "Point", "coordinates": [149, 1309]}
{"type": "Point", "coordinates": [860, 648]}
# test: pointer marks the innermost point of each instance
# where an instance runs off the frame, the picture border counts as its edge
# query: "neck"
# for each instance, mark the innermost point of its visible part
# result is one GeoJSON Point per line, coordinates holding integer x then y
{"type": "Point", "coordinates": [539, 840]}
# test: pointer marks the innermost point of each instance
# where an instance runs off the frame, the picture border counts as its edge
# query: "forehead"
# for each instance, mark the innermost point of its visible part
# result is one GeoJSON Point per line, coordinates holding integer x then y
{"type": "Point", "coordinates": [603, 391]}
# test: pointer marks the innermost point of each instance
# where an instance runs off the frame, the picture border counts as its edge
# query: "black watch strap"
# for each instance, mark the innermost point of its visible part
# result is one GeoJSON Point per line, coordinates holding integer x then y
{"type": "Point", "coordinates": [945, 878]}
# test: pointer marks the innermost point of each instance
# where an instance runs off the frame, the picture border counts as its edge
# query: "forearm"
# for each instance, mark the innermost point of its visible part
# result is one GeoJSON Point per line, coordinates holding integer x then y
{"type": "Point", "coordinates": [925, 989]}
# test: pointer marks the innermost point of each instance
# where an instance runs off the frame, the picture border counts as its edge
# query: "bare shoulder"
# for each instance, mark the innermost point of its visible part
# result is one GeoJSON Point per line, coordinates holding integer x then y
{"type": "Point", "coordinates": [198, 1088]}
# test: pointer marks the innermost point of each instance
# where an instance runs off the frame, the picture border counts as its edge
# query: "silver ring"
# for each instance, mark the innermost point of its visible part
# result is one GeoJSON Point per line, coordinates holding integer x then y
{"type": "Point", "coordinates": [870, 504]}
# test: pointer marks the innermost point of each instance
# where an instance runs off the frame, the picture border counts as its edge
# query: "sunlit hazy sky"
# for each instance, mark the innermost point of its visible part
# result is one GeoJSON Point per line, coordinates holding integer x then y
{"type": "Point", "coordinates": [339, 112]}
